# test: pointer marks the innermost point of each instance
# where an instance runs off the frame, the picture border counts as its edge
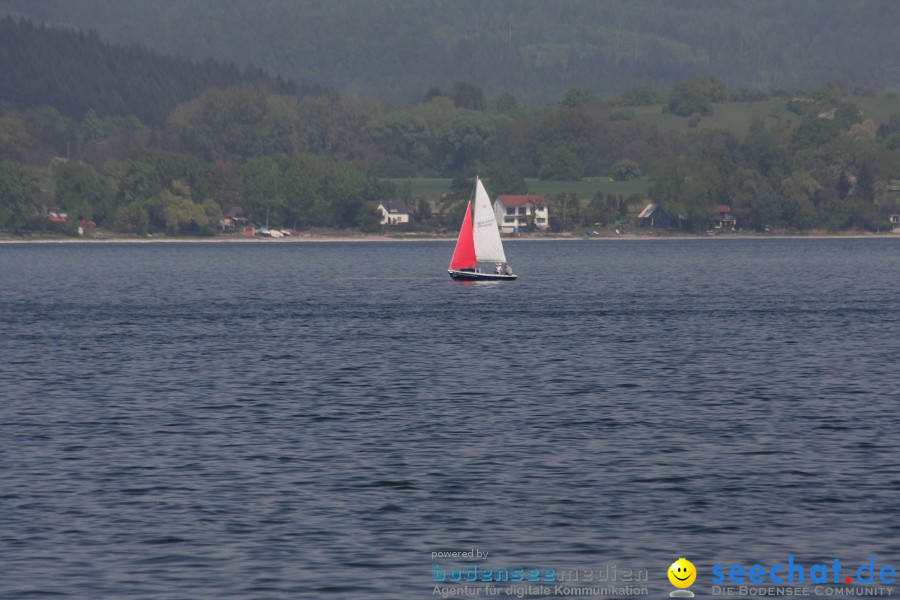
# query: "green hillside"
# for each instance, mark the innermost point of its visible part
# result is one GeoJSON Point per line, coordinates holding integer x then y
{"type": "Point", "coordinates": [396, 50]}
{"type": "Point", "coordinates": [78, 73]}
{"type": "Point", "coordinates": [138, 142]}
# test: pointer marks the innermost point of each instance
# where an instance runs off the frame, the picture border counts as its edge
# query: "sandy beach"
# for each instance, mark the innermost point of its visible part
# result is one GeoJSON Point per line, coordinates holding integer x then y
{"type": "Point", "coordinates": [349, 238]}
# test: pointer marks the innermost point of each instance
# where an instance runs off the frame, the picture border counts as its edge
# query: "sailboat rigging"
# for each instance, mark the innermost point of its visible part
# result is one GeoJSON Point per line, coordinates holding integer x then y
{"type": "Point", "coordinates": [479, 243]}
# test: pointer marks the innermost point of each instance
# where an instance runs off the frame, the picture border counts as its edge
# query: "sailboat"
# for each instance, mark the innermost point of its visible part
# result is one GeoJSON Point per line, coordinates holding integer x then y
{"type": "Point", "coordinates": [479, 243]}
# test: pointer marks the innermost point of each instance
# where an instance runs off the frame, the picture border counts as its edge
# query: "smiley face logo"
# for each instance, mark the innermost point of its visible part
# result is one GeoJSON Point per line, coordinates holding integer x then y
{"type": "Point", "coordinates": [682, 573]}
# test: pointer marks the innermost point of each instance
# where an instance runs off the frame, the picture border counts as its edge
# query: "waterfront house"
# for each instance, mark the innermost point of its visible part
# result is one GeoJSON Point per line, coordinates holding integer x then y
{"type": "Point", "coordinates": [516, 212]}
{"type": "Point", "coordinates": [723, 218]}
{"type": "Point", "coordinates": [654, 216]}
{"type": "Point", "coordinates": [393, 212]}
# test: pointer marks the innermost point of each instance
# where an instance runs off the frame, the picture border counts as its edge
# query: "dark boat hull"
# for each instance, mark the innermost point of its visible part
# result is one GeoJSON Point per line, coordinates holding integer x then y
{"type": "Point", "coordinates": [473, 276]}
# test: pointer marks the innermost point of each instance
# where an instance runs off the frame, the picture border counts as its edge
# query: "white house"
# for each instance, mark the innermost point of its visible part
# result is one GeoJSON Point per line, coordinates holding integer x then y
{"type": "Point", "coordinates": [514, 212]}
{"type": "Point", "coordinates": [392, 212]}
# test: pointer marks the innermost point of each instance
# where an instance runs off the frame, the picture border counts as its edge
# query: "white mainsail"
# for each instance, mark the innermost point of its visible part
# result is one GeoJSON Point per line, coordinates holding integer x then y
{"type": "Point", "coordinates": [488, 247]}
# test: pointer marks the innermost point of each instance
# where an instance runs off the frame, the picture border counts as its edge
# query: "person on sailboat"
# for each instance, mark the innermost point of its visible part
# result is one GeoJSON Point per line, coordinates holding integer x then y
{"type": "Point", "coordinates": [508, 270]}
{"type": "Point", "coordinates": [498, 268]}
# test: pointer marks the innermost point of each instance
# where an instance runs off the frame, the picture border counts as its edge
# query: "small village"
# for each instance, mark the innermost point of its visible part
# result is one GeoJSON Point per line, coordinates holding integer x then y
{"type": "Point", "coordinates": [530, 213]}
{"type": "Point", "coordinates": [517, 215]}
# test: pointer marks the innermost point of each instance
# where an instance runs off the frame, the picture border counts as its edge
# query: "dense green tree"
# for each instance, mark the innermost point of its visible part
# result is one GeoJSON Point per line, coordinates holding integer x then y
{"type": "Point", "coordinates": [452, 204]}
{"type": "Point", "coordinates": [846, 115]}
{"type": "Point", "coordinates": [606, 209]}
{"type": "Point", "coordinates": [695, 96]}
{"type": "Point", "coordinates": [625, 170]}
{"type": "Point", "coordinates": [15, 141]}
{"type": "Point", "coordinates": [561, 164]}
{"type": "Point", "coordinates": [864, 213]}
{"type": "Point", "coordinates": [223, 183]}
{"type": "Point", "coordinates": [643, 94]}
{"type": "Point", "coordinates": [813, 134]}
{"type": "Point", "coordinates": [505, 180]}
{"type": "Point", "coordinates": [703, 191]}
{"type": "Point", "coordinates": [889, 132]}
{"type": "Point", "coordinates": [343, 186]}
{"type": "Point", "coordinates": [54, 135]}
{"type": "Point", "coordinates": [135, 181]}
{"type": "Point", "coordinates": [422, 212]}
{"type": "Point", "coordinates": [831, 93]}
{"type": "Point", "coordinates": [762, 150]}
{"type": "Point", "coordinates": [799, 192]}
{"type": "Point", "coordinates": [568, 209]}
{"type": "Point", "coordinates": [753, 202]}
{"type": "Point", "coordinates": [688, 189]}
{"type": "Point", "coordinates": [168, 167]}
{"type": "Point", "coordinates": [865, 184]}
{"type": "Point", "coordinates": [462, 187]}
{"type": "Point", "coordinates": [432, 93]}
{"type": "Point", "coordinates": [18, 196]}
{"type": "Point", "coordinates": [576, 97]}
{"type": "Point", "coordinates": [175, 212]}
{"type": "Point", "coordinates": [843, 185]}
{"type": "Point", "coordinates": [399, 140]}
{"type": "Point", "coordinates": [213, 214]}
{"type": "Point", "coordinates": [133, 217]}
{"type": "Point", "coordinates": [467, 94]}
{"type": "Point", "coordinates": [506, 104]}
{"type": "Point", "coordinates": [241, 122]}
{"type": "Point", "coordinates": [82, 193]}
{"type": "Point", "coordinates": [836, 213]}
{"type": "Point", "coordinates": [261, 190]}
{"type": "Point", "coordinates": [684, 103]}
{"type": "Point", "coordinates": [301, 188]}
{"type": "Point", "coordinates": [464, 140]}
{"type": "Point", "coordinates": [517, 143]}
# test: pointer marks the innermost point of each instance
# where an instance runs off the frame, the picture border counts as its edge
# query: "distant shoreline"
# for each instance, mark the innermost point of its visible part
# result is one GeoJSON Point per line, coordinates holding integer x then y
{"type": "Point", "coordinates": [318, 238]}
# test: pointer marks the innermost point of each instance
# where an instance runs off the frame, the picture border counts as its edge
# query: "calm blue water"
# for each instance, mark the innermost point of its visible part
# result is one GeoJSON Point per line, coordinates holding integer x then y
{"type": "Point", "coordinates": [314, 420]}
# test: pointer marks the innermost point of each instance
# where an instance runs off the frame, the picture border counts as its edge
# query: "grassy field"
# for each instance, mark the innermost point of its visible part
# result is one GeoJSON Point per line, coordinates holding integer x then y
{"type": "Point", "coordinates": [736, 117]}
{"type": "Point", "coordinates": [431, 189]}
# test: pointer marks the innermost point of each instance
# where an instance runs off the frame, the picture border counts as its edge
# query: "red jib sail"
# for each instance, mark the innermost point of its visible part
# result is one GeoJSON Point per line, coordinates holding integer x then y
{"type": "Point", "coordinates": [464, 254]}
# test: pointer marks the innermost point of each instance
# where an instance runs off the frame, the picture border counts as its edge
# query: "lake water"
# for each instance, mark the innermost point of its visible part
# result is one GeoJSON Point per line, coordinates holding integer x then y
{"type": "Point", "coordinates": [299, 420]}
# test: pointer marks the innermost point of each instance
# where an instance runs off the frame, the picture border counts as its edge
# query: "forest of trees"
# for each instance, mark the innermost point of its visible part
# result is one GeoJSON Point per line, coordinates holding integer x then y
{"type": "Point", "coordinates": [395, 49]}
{"type": "Point", "coordinates": [75, 72]}
{"type": "Point", "coordinates": [304, 157]}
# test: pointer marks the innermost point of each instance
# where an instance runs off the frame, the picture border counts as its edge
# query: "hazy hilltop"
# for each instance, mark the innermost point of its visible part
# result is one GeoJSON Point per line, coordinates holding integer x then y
{"type": "Point", "coordinates": [396, 50]}
{"type": "Point", "coordinates": [77, 72]}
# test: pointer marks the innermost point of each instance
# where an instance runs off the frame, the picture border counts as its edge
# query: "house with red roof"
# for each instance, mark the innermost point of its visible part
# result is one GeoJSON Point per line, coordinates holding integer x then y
{"type": "Point", "coordinates": [723, 218]}
{"type": "Point", "coordinates": [516, 213]}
